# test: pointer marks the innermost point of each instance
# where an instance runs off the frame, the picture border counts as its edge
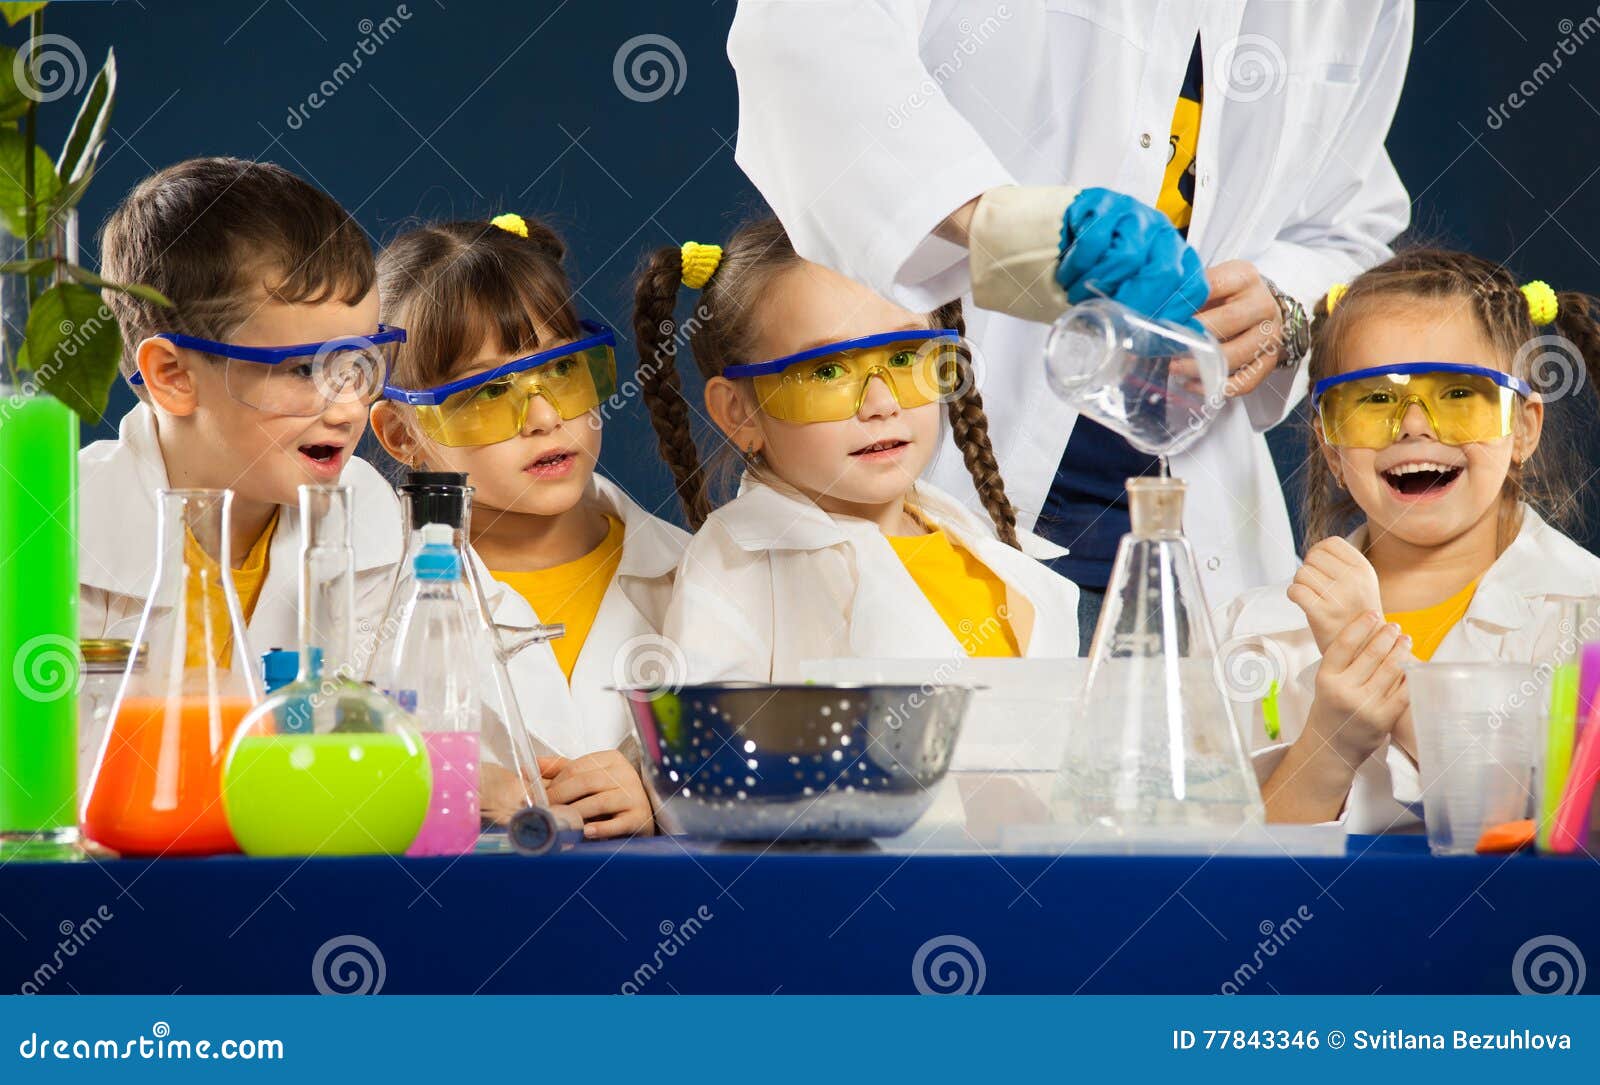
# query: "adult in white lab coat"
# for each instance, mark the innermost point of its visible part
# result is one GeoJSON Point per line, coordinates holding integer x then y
{"type": "Point", "coordinates": [117, 519]}
{"type": "Point", "coordinates": [772, 580]}
{"type": "Point", "coordinates": [624, 645]}
{"type": "Point", "coordinates": [873, 127]}
{"type": "Point", "coordinates": [1514, 617]}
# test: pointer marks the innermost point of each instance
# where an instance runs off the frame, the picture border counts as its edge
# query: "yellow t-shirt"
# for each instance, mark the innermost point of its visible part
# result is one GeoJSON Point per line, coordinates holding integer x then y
{"type": "Point", "coordinates": [247, 581]}
{"type": "Point", "coordinates": [1427, 627]}
{"type": "Point", "coordinates": [965, 592]}
{"type": "Point", "coordinates": [570, 593]}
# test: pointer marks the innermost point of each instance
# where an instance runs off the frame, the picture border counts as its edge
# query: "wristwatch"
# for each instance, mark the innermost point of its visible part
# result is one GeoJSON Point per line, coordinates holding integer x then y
{"type": "Point", "coordinates": [1296, 328]}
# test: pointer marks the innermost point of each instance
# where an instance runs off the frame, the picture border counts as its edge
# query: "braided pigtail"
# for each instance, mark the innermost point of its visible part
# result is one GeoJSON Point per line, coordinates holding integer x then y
{"type": "Point", "coordinates": [655, 329]}
{"type": "Point", "coordinates": [970, 428]}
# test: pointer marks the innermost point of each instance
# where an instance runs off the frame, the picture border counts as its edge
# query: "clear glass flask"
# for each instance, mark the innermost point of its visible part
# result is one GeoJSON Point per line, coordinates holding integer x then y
{"type": "Point", "coordinates": [1157, 384]}
{"type": "Point", "coordinates": [444, 665]}
{"type": "Point", "coordinates": [326, 765]}
{"type": "Point", "coordinates": [156, 782]}
{"type": "Point", "coordinates": [1156, 746]}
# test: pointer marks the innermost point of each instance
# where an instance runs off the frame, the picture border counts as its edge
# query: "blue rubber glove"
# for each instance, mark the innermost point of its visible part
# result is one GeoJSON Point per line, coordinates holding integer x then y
{"type": "Point", "coordinates": [1115, 247]}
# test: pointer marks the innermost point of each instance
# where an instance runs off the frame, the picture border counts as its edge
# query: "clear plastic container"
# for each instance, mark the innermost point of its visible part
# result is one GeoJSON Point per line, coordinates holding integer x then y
{"type": "Point", "coordinates": [326, 765]}
{"type": "Point", "coordinates": [1157, 384]}
{"type": "Point", "coordinates": [1156, 746]}
{"type": "Point", "coordinates": [104, 663]}
{"type": "Point", "coordinates": [157, 779]}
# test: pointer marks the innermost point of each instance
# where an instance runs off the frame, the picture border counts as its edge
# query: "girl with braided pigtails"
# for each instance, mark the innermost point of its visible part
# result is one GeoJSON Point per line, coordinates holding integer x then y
{"type": "Point", "coordinates": [832, 398]}
{"type": "Point", "coordinates": [1439, 393]}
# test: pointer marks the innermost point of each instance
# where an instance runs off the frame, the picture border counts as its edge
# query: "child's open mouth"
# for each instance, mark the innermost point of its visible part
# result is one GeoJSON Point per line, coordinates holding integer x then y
{"type": "Point", "coordinates": [324, 459]}
{"type": "Point", "coordinates": [551, 465]}
{"type": "Point", "coordinates": [881, 449]}
{"type": "Point", "coordinates": [1421, 480]}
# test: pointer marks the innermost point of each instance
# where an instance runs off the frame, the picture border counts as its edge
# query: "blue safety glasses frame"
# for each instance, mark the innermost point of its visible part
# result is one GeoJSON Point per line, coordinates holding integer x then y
{"type": "Point", "coordinates": [599, 335]}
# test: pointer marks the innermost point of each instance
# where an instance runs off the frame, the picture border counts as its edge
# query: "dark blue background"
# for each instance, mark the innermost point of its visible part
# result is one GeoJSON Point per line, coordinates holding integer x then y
{"type": "Point", "coordinates": [470, 109]}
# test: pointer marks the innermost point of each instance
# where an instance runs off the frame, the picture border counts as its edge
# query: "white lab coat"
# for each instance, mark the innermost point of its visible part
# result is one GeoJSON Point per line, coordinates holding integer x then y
{"type": "Point", "coordinates": [772, 581]}
{"type": "Point", "coordinates": [117, 518]}
{"type": "Point", "coordinates": [865, 122]}
{"type": "Point", "coordinates": [1513, 618]}
{"type": "Point", "coordinates": [585, 717]}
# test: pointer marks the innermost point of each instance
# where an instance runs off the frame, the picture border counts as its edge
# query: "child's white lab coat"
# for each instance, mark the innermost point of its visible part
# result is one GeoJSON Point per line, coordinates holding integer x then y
{"type": "Point", "coordinates": [1513, 618]}
{"type": "Point", "coordinates": [625, 638]}
{"type": "Point", "coordinates": [117, 517]}
{"type": "Point", "coordinates": [772, 580]}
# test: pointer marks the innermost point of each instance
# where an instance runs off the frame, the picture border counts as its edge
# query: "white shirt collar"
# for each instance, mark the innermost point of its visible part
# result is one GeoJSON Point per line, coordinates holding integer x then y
{"type": "Point", "coordinates": [651, 546]}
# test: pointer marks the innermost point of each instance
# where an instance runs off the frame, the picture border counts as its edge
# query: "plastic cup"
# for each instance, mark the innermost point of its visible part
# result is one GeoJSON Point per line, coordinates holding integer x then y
{"type": "Point", "coordinates": [1476, 728]}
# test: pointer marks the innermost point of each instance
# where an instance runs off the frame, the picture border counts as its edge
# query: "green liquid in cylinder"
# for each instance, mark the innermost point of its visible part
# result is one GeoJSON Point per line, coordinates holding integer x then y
{"type": "Point", "coordinates": [38, 614]}
{"type": "Point", "coordinates": [330, 794]}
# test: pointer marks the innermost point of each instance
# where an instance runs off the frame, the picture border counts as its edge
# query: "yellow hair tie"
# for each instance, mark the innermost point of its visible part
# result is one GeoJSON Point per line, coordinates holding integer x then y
{"type": "Point", "coordinates": [699, 262]}
{"type": "Point", "coordinates": [1335, 293]}
{"type": "Point", "coordinates": [511, 223]}
{"type": "Point", "coordinates": [1542, 306]}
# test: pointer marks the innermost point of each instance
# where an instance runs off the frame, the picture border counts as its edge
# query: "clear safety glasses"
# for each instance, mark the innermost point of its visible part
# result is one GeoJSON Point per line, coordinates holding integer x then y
{"type": "Point", "coordinates": [1465, 404]}
{"type": "Point", "coordinates": [829, 383]}
{"type": "Point", "coordinates": [304, 380]}
{"type": "Point", "coordinates": [489, 407]}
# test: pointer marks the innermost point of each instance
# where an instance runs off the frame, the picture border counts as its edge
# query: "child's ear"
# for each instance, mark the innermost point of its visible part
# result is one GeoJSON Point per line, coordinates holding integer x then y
{"type": "Point", "coordinates": [734, 415]}
{"type": "Point", "coordinates": [167, 376]}
{"type": "Point", "coordinates": [395, 433]}
{"type": "Point", "coordinates": [1530, 425]}
{"type": "Point", "coordinates": [1329, 454]}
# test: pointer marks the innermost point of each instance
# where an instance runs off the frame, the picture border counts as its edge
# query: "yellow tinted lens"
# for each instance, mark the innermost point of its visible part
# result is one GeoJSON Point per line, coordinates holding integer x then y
{"type": "Point", "coordinates": [1462, 408]}
{"type": "Point", "coordinates": [832, 387]}
{"type": "Point", "coordinates": [484, 415]}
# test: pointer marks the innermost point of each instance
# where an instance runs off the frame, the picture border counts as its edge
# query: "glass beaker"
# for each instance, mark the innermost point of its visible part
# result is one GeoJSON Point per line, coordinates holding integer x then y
{"type": "Point", "coordinates": [326, 765]}
{"type": "Point", "coordinates": [104, 662]}
{"type": "Point", "coordinates": [157, 779]}
{"type": "Point", "coordinates": [444, 664]}
{"type": "Point", "coordinates": [1157, 384]}
{"type": "Point", "coordinates": [1157, 745]}
{"type": "Point", "coordinates": [38, 617]}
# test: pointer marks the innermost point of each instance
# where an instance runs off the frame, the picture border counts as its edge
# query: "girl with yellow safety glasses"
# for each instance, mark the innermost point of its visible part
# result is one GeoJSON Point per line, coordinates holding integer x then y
{"type": "Point", "coordinates": [1438, 390]}
{"type": "Point", "coordinates": [502, 382]}
{"type": "Point", "coordinates": [831, 399]}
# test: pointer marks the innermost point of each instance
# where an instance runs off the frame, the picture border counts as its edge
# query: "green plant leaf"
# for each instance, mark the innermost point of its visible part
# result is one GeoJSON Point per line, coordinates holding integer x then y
{"type": "Point", "coordinates": [45, 184]}
{"type": "Point", "coordinates": [138, 290]}
{"type": "Point", "coordinates": [13, 103]}
{"type": "Point", "coordinates": [82, 149]}
{"type": "Point", "coordinates": [16, 12]}
{"type": "Point", "coordinates": [44, 265]}
{"type": "Point", "coordinates": [73, 346]}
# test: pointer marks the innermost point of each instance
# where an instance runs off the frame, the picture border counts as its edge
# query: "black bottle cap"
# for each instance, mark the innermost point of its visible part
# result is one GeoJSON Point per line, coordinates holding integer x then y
{"type": "Point", "coordinates": [437, 497]}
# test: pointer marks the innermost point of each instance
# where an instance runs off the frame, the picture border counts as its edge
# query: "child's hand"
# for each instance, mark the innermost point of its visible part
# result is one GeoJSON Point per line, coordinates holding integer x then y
{"type": "Point", "coordinates": [1360, 689]}
{"type": "Point", "coordinates": [603, 789]}
{"type": "Point", "coordinates": [1334, 586]}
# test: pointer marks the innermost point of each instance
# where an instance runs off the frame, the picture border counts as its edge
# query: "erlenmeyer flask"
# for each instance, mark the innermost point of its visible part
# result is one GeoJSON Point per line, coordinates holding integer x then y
{"type": "Point", "coordinates": [1157, 384]}
{"type": "Point", "coordinates": [156, 786]}
{"type": "Point", "coordinates": [326, 765]}
{"type": "Point", "coordinates": [445, 667]}
{"type": "Point", "coordinates": [1157, 746]}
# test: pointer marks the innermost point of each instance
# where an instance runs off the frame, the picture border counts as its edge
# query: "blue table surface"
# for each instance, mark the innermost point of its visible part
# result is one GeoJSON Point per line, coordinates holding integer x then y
{"type": "Point", "coordinates": [667, 915]}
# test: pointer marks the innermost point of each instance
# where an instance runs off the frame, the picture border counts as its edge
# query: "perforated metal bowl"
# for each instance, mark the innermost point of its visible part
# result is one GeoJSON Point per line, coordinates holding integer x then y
{"type": "Point", "coordinates": [748, 761]}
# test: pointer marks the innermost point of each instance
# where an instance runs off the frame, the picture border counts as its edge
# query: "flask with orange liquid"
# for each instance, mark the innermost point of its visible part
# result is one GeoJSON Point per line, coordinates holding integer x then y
{"type": "Point", "coordinates": [156, 787]}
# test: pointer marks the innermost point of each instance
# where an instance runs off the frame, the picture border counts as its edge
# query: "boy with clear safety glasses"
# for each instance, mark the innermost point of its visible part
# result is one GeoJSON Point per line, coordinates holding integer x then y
{"type": "Point", "coordinates": [1440, 415]}
{"type": "Point", "coordinates": [257, 379]}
